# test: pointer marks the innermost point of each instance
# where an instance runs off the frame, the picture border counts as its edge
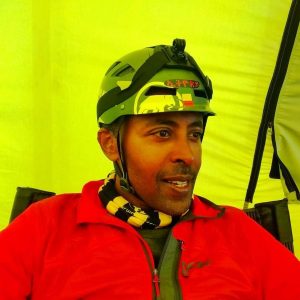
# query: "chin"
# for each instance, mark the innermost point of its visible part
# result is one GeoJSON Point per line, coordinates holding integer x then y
{"type": "Point", "coordinates": [175, 211]}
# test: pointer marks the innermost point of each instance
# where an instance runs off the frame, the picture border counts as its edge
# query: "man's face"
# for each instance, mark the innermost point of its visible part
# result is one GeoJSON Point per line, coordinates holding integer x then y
{"type": "Point", "coordinates": [163, 156]}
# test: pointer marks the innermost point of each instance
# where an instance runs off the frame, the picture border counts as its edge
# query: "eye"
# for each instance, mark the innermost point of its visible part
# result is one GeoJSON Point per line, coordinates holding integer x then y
{"type": "Point", "coordinates": [163, 133]}
{"type": "Point", "coordinates": [196, 135]}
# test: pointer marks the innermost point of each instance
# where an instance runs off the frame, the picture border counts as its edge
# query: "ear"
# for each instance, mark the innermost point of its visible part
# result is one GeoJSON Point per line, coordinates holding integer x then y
{"type": "Point", "coordinates": [108, 144]}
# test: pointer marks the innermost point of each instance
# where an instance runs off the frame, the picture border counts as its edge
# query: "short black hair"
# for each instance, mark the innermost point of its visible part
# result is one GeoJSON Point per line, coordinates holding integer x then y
{"type": "Point", "coordinates": [115, 126]}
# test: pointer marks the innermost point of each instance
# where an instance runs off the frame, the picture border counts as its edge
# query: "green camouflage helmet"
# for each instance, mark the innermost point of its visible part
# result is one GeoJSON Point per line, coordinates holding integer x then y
{"type": "Point", "coordinates": [154, 80]}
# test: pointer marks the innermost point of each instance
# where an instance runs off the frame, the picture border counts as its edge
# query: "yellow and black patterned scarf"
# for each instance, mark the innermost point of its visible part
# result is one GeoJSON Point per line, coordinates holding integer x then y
{"type": "Point", "coordinates": [121, 208]}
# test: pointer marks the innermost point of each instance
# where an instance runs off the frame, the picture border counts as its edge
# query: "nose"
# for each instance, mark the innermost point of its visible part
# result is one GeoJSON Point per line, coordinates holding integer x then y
{"type": "Point", "coordinates": [185, 151]}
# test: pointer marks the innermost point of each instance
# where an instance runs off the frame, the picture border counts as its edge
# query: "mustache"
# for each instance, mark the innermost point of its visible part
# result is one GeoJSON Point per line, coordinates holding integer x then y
{"type": "Point", "coordinates": [181, 170]}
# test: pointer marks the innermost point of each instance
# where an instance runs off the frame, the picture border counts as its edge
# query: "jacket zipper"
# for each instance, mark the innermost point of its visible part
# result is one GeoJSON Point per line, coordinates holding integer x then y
{"type": "Point", "coordinates": [176, 286]}
{"type": "Point", "coordinates": [156, 283]}
{"type": "Point", "coordinates": [154, 271]}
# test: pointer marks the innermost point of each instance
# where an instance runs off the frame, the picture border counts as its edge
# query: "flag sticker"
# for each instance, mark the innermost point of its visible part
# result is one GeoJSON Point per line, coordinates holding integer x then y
{"type": "Point", "coordinates": [187, 100]}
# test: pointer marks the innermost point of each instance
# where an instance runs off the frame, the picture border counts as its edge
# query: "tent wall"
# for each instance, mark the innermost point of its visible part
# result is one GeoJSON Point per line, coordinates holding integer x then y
{"type": "Point", "coordinates": [54, 54]}
{"type": "Point", "coordinates": [286, 125]}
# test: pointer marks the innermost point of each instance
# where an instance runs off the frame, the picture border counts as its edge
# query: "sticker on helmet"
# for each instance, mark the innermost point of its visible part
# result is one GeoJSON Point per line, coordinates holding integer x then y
{"type": "Point", "coordinates": [176, 83]}
{"type": "Point", "coordinates": [187, 100]}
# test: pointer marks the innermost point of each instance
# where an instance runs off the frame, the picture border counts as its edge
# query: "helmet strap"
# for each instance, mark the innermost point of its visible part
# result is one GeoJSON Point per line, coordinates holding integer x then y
{"type": "Point", "coordinates": [121, 169]}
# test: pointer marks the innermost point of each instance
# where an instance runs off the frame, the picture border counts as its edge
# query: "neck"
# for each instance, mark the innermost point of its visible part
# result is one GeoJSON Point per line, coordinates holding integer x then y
{"type": "Point", "coordinates": [131, 198]}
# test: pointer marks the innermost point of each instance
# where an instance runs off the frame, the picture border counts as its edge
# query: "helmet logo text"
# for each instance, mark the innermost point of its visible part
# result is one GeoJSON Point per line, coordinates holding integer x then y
{"type": "Point", "coordinates": [177, 83]}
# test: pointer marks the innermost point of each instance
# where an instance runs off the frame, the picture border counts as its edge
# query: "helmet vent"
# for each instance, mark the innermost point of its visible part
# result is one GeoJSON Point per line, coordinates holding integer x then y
{"type": "Point", "coordinates": [200, 93]}
{"type": "Point", "coordinates": [155, 90]}
{"type": "Point", "coordinates": [112, 66]}
{"type": "Point", "coordinates": [124, 70]}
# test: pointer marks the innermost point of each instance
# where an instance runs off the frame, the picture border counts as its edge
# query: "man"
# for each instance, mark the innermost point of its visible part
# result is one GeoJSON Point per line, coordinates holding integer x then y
{"type": "Point", "coordinates": [141, 233]}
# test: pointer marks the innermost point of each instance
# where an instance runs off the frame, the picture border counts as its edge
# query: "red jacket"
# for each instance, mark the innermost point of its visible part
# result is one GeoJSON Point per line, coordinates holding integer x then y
{"type": "Point", "coordinates": [69, 247]}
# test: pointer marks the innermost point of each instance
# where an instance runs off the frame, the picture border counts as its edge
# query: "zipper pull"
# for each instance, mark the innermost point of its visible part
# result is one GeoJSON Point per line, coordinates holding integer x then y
{"type": "Point", "coordinates": [156, 282]}
{"type": "Point", "coordinates": [182, 245]}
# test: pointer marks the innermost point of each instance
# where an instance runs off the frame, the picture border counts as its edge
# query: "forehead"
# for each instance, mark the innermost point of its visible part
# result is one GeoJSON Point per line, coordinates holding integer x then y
{"type": "Point", "coordinates": [170, 118]}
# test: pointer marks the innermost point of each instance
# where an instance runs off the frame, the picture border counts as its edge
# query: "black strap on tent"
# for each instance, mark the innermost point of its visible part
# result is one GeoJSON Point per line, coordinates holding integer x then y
{"type": "Point", "coordinates": [283, 58]}
{"type": "Point", "coordinates": [278, 165]}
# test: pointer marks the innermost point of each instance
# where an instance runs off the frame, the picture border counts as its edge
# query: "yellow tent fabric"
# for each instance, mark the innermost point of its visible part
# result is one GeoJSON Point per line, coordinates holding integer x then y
{"type": "Point", "coordinates": [287, 120]}
{"type": "Point", "coordinates": [54, 54]}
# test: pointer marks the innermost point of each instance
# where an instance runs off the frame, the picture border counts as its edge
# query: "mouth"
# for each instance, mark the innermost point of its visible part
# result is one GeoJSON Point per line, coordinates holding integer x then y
{"type": "Point", "coordinates": [180, 183]}
{"type": "Point", "coordinates": [177, 183]}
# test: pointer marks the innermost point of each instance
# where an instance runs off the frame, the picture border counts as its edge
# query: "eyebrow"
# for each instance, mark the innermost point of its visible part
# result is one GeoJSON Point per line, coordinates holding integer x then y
{"type": "Point", "coordinates": [160, 121]}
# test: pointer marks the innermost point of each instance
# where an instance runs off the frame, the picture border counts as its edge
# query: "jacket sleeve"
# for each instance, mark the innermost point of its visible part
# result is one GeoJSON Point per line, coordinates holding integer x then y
{"type": "Point", "coordinates": [17, 251]}
{"type": "Point", "coordinates": [280, 272]}
{"type": "Point", "coordinates": [277, 269]}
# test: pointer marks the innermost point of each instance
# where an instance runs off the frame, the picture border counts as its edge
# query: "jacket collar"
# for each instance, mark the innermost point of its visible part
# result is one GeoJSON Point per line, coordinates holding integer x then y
{"type": "Point", "coordinates": [90, 209]}
{"type": "Point", "coordinates": [203, 208]}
